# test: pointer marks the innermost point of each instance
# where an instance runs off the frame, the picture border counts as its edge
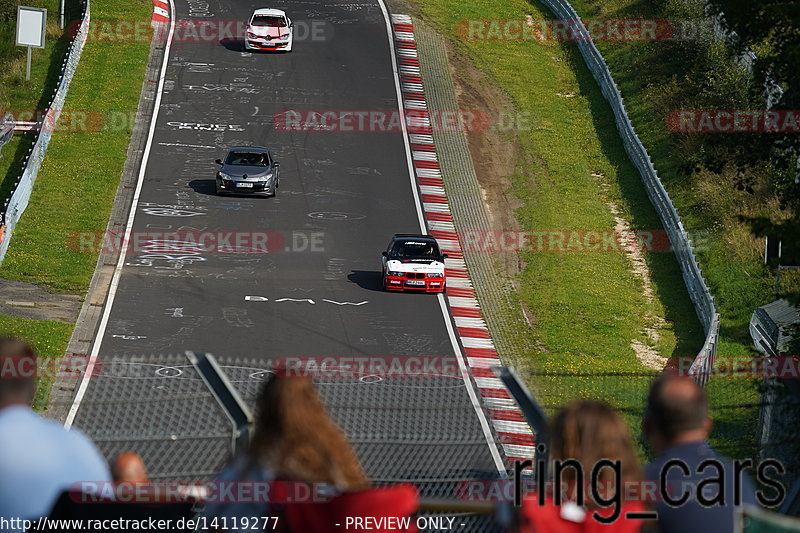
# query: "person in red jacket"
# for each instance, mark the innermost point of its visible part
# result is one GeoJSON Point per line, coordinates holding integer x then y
{"type": "Point", "coordinates": [586, 434]}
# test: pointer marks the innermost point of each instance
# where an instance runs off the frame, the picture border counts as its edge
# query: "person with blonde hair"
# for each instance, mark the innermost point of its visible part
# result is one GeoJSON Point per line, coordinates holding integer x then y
{"type": "Point", "coordinates": [294, 440]}
{"type": "Point", "coordinates": [593, 464]}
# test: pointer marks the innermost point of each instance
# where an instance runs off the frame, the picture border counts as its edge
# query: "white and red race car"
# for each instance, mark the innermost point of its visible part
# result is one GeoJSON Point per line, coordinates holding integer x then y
{"type": "Point", "coordinates": [269, 29]}
{"type": "Point", "coordinates": [413, 262]}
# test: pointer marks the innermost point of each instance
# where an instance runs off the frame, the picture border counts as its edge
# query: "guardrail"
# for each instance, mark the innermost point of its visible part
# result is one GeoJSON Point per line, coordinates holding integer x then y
{"type": "Point", "coordinates": [682, 245]}
{"type": "Point", "coordinates": [6, 129]}
{"type": "Point", "coordinates": [18, 200]}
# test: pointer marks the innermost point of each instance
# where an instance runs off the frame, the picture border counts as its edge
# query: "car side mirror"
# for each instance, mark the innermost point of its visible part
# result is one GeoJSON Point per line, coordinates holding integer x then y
{"type": "Point", "coordinates": [218, 161]}
{"type": "Point", "coordinates": [275, 164]}
{"type": "Point", "coordinates": [444, 256]}
{"type": "Point", "coordinates": [385, 253]}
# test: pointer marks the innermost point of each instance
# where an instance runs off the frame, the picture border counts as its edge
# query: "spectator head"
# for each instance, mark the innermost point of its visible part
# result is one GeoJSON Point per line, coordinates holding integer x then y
{"type": "Point", "coordinates": [128, 467]}
{"type": "Point", "coordinates": [18, 369]}
{"type": "Point", "coordinates": [296, 439]}
{"type": "Point", "coordinates": [588, 431]}
{"type": "Point", "coordinates": [677, 412]}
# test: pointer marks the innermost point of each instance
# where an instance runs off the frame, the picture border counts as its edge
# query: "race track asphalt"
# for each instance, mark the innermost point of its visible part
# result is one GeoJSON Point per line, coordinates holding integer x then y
{"type": "Point", "coordinates": [342, 196]}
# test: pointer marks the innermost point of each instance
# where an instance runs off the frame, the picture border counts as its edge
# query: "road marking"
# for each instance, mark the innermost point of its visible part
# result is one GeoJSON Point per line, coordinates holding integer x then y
{"type": "Point", "coordinates": [487, 431]}
{"type": "Point", "coordinates": [344, 303]}
{"type": "Point", "coordinates": [187, 145]}
{"type": "Point", "coordinates": [112, 291]}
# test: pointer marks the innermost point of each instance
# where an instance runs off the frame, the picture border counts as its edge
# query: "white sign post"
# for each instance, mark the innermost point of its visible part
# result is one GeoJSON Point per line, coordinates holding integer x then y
{"type": "Point", "coordinates": [31, 22]}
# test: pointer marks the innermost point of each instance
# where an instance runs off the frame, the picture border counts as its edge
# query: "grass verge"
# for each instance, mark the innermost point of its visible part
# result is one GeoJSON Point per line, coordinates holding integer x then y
{"type": "Point", "coordinates": [587, 308]}
{"type": "Point", "coordinates": [70, 195]}
{"type": "Point", "coordinates": [26, 98]}
{"type": "Point", "coordinates": [48, 338]}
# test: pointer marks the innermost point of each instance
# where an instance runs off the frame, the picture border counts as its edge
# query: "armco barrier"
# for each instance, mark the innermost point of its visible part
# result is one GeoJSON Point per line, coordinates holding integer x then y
{"type": "Point", "coordinates": [16, 203]}
{"type": "Point", "coordinates": [684, 252]}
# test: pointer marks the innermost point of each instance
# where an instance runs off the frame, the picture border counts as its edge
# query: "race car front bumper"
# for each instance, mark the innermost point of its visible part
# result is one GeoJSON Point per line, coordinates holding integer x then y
{"type": "Point", "coordinates": [411, 281]}
{"type": "Point", "coordinates": [261, 44]}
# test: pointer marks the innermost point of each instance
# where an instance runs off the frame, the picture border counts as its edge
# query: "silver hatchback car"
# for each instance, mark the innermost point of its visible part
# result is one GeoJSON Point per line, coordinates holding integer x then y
{"type": "Point", "coordinates": [248, 171]}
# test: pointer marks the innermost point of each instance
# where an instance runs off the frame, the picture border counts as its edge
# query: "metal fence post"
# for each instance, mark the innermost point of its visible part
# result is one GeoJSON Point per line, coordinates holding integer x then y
{"type": "Point", "coordinates": [226, 395]}
{"type": "Point", "coordinates": [531, 410]}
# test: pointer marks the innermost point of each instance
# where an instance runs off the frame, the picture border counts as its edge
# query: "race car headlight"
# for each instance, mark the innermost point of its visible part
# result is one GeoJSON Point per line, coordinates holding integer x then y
{"type": "Point", "coordinates": [285, 36]}
{"type": "Point", "coordinates": [223, 176]}
{"type": "Point", "coordinates": [435, 275]}
{"type": "Point", "coordinates": [251, 35]}
{"type": "Point", "coordinates": [394, 273]}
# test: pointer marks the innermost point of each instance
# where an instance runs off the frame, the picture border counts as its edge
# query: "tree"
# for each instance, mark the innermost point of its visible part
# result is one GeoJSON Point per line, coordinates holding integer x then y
{"type": "Point", "coordinates": [771, 28]}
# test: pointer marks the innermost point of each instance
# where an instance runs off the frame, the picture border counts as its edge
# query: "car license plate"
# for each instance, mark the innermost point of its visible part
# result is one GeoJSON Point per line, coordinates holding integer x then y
{"type": "Point", "coordinates": [246, 185]}
{"type": "Point", "coordinates": [415, 282]}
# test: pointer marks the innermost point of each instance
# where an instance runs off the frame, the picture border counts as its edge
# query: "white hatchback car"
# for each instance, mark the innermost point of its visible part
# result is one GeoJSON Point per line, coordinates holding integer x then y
{"type": "Point", "coordinates": [269, 29]}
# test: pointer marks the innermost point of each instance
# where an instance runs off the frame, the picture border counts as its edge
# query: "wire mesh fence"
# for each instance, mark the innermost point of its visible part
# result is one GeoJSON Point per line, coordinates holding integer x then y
{"type": "Point", "coordinates": [734, 402]}
{"type": "Point", "coordinates": [413, 429]}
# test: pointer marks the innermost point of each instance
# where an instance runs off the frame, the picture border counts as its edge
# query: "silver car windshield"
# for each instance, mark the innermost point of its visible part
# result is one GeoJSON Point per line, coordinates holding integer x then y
{"type": "Point", "coordinates": [247, 159]}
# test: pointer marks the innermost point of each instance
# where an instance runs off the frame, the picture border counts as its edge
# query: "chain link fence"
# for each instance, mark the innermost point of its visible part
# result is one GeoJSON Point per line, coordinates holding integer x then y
{"type": "Point", "coordinates": [734, 403]}
{"type": "Point", "coordinates": [673, 225]}
{"type": "Point", "coordinates": [16, 203]}
{"type": "Point", "coordinates": [409, 429]}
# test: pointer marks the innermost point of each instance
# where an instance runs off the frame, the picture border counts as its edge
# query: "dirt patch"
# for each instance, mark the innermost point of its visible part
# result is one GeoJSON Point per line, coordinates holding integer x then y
{"type": "Point", "coordinates": [646, 352]}
{"type": "Point", "coordinates": [495, 153]}
{"type": "Point", "coordinates": [26, 300]}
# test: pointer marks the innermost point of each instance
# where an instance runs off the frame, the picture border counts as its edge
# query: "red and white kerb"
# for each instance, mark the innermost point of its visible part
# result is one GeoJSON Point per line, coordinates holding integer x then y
{"type": "Point", "coordinates": [513, 431]}
{"type": "Point", "coordinates": [160, 11]}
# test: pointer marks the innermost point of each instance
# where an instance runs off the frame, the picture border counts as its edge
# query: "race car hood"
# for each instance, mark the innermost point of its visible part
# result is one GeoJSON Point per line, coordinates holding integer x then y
{"type": "Point", "coordinates": [268, 31]}
{"type": "Point", "coordinates": [415, 266]}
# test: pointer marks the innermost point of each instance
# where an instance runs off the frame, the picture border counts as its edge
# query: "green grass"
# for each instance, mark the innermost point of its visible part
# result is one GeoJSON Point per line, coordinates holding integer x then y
{"type": "Point", "coordinates": [588, 306]}
{"type": "Point", "coordinates": [655, 78]}
{"type": "Point", "coordinates": [48, 338]}
{"type": "Point", "coordinates": [707, 201]}
{"type": "Point", "coordinates": [71, 196]}
{"type": "Point", "coordinates": [23, 98]}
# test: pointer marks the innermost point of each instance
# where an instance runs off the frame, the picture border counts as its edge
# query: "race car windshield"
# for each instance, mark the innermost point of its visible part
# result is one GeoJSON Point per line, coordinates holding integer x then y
{"type": "Point", "coordinates": [415, 250]}
{"type": "Point", "coordinates": [268, 21]}
{"type": "Point", "coordinates": [247, 159]}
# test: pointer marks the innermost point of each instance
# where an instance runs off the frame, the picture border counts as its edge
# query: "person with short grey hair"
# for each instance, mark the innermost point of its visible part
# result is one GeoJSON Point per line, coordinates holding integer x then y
{"type": "Point", "coordinates": [677, 426]}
